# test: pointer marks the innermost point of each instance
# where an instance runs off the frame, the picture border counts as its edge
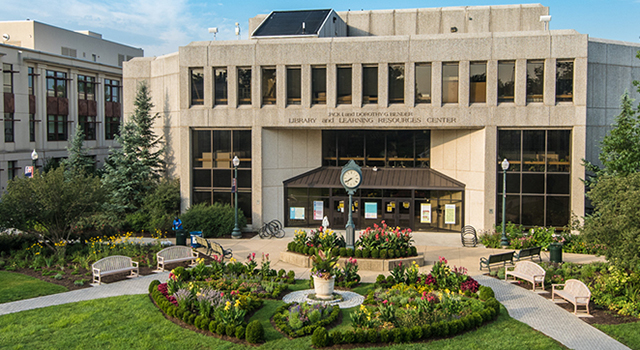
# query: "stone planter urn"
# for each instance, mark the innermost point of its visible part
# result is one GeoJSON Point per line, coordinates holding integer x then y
{"type": "Point", "coordinates": [323, 287]}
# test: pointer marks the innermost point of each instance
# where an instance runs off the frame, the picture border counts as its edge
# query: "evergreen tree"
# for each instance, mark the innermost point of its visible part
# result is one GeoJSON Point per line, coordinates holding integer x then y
{"type": "Point", "coordinates": [78, 160]}
{"type": "Point", "coordinates": [134, 170]}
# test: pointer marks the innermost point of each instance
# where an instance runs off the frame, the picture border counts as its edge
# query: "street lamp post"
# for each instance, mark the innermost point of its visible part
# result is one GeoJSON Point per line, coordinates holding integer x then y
{"type": "Point", "coordinates": [34, 160]}
{"type": "Point", "coordinates": [504, 242]}
{"type": "Point", "coordinates": [236, 234]}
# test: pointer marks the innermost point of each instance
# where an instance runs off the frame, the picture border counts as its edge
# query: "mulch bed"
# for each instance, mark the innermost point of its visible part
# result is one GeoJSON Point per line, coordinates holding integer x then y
{"type": "Point", "coordinates": [601, 315]}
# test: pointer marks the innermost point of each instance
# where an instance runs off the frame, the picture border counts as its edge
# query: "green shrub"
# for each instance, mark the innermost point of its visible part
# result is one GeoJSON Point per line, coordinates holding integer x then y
{"type": "Point", "coordinates": [10, 241]}
{"type": "Point", "coordinates": [153, 286]}
{"type": "Point", "coordinates": [336, 337]}
{"type": "Point", "coordinates": [358, 253]}
{"type": "Point", "coordinates": [305, 250]}
{"type": "Point", "coordinates": [349, 337]}
{"type": "Point", "coordinates": [197, 321]}
{"type": "Point", "coordinates": [230, 330]}
{"type": "Point", "coordinates": [383, 254]}
{"type": "Point", "coordinates": [366, 253]}
{"type": "Point", "coordinates": [213, 326]}
{"type": "Point", "coordinates": [192, 318]}
{"type": "Point", "coordinates": [416, 333]}
{"type": "Point", "coordinates": [163, 204]}
{"type": "Point", "coordinates": [484, 293]}
{"type": "Point", "coordinates": [291, 246]}
{"type": "Point", "coordinates": [350, 252]}
{"type": "Point", "coordinates": [391, 280]}
{"type": "Point", "coordinates": [493, 304]}
{"type": "Point", "coordinates": [320, 338]}
{"type": "Point", "coordinates": [361, 336]}
{"type": "Point", "coordinates": [239, 332]}
{"type": "Point", "coordinates": [391, 253]}
{"type": "Point", "coordinates": [221, 329]}
{"type": "Point", "coordinates": [385, 336]}
{"type": "Point", "coordinates": [455, 327]}
{"type": "Point", "coordinates": [397, 253]}
{"type": "Point", "coordinates": [343, 252]}
{"type": "Point", "coordinates": [427, 331]}
{"type": "Point", "coordinates": [398, 335]}
{"type": "Point", "coordinates": [375, 253]}
{"type": "Point", "coordinates": [414, 251]}
{"type": "Point", "coordinates": [381, 279]}
{"type": "Point", "coordinates": [255, 332]}
{"type": "Point", "coordinates": [181, 273]}
{"type": "Point", "coordinates": [213, 220]}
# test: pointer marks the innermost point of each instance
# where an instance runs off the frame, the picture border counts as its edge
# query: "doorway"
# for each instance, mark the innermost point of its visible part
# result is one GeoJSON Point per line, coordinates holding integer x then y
{"type": "Point", "coordinates": [397, 212]}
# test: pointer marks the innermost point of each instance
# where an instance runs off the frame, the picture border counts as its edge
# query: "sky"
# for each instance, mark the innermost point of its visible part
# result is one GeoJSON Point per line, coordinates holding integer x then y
{"type": "Point", "coordinates": [162, 26]}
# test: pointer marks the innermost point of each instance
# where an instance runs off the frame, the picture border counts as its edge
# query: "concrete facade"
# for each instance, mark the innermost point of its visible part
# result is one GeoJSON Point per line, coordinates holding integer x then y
{"type": "Point", "coordinates": [287, 139]}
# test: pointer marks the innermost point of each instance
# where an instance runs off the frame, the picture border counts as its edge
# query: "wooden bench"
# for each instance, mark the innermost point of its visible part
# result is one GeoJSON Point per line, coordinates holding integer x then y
{"type": "Point", "coordinates": [214, 248]}
{"type": "Point", "coordinates": [497, 258]}
{"type": "Point", "coordinates": [529, 253]}
{"type": "Point", "coordinates": [112, 265]}
{"type": "Point", "coordinates": [175, 254]}
{"type": "Point", "coordinates": [528, 271]}
{"type": "Point", "coordinates": [575, 292]}
{"type": "Point", "coordinates": [469, 236]}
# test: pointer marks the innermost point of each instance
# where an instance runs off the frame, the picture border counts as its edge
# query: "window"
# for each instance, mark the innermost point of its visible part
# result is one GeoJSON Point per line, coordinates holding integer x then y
{"type": "Point", "coordinates": [344, 85]}
{"type": "Point", "coordinates": [56, 84]}
{"type": "Point", "coordinates": [112, 127]}
{"type": "Point", "coordinates": [88, 125]}
{"type": "Point", "coordinates": [221, 89]}
{"type": "Point", "coordinates": [450, 82]}
{"type": "Point", "coordinates": [31, 80]}
{"type": "Point", "coordinates": [197, 86]}
{"type": "Point", "coordinates": [268, 86]}
{"type": "Point", "coordinates": [56, 128]}
{"type": "Point", "coordinates": [478, 82]}
{"type": "Point", "coordinates": [396, 83]}
{"type": "Point", "coordinates": [506, 81]}
{"type": "Point", "coordinates": [32, 90]}
{"type": "Point", "coordinates": [370, 84]}
{"type": "Point", "coordinates": [423, 83]}
{"type": "Point", "coordinates": [7, 72]}
{"type": "Point", "coordinates": [111, 90]}
{"type": "Point", "coordinates": [318, 85]}
{"type": "Point", "coordinates": [12, 169]}
{"type": "Point", "coordinates": [564, 81]}
{"type": "Point", "coordinates": [9, 126]}
{"type": "Point", "coordinates": [32, 128]}
{"type": "Point", "coordinates": [244, 86]}
{"type": "Point", "coordinates": [86, 88]}
{"type": "Point", "coordinates": [538, 178]}
{"type": "Point", "coordinates": [535, 80]}
{"type": "Point", "coordinates": [213, 151]}
{"type": "Point", "coordinates": [294, 79]}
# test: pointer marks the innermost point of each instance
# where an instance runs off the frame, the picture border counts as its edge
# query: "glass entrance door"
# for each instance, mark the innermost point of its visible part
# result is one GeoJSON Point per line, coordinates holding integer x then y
{"type": "Point", "coordinates": [398, 212]}
{"type": "Point", "coordinates": [339, 214]}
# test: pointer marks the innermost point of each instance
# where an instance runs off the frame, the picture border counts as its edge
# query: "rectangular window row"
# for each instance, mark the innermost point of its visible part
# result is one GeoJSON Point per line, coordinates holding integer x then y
{"type": "Point", "coordinates": [506, 81]}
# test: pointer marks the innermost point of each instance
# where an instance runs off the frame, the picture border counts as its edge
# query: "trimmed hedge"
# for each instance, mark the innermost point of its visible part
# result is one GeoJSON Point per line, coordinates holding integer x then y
{"type": "Point", "coordinates": [280, 320]}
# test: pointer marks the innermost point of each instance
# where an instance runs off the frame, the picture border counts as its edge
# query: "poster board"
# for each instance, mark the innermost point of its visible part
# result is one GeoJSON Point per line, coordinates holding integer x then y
{"type": "Point", "coordinates": [318, 210]}
{"type": "Point", "coordinates": [425, 213]}
{"type": "Point", "coordinates": [450, 214]}
{"type": "Point", "coordinates": [370, 210]}
{"type": "Point", "coordinates": [296, 213]}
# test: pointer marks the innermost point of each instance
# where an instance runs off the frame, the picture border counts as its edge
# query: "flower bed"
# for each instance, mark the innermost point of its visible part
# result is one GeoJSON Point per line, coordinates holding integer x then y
{"type": "Point", "coordinates": [298, 320]}
{"type": "Point", "coordinates": [379, 242]}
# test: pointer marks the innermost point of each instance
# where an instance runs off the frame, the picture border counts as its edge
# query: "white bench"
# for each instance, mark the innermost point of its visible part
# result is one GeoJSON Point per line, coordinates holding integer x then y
{"type": "Point", "coordinates": [575, 292]}
{"type": "Point", "coordinates": [175, 254]}
{"type": "Point", "coordinates": [112, 265]}
{"type": "Point", "coordinates": [528, 271]}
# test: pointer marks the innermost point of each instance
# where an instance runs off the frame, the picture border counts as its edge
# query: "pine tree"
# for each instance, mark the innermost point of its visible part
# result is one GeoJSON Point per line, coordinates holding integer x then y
{"type": "Point", "coordinates": [134, 170]}
{"type": "Point", "coordinates": [78, 160]}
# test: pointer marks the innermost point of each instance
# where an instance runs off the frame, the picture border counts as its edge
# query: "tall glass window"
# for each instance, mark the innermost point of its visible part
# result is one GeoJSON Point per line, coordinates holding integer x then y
{"type": "Point", "coordinates": [244, 86]}
{"type": "Point", "coordinates": [56, 84]}
{"type": "Point", "coordinates": [318, 85]}
{"type": "Point", "coordinates": [86, 88]}
{"type": "Point", "coordinates": [370, 84]}
{"type": "Point", "coordinates": [506, 81]}
{"type": "Point", "coordinates": [197, 86]}
{"type": "Point", "coordinates": [220, 86]}
{"type": "Point", "coordinates": [213, 152]}
{"type": "Point", "coordinates": [111, 90]}
{"type": "Point", "coordinates": [478, 82]}
{"type": "Point", "coordinates": [535, 80]}
{"type": "Point", "coordinates": [294, 88]}
{"type": "Point", "coordinates": [32, 91]}
{"type": "Point", "coordinates": [57, 128]}
{"type": "Point", "coordinates": [564, 81]}
{"type": "Point", "coordinates": [9, 127]}
{"type": "Point", "coordinates": [450, 82]}
{"type": "Point", "coordinates": [396, 83]}
{"type": "Point", "coordinates": [423, 82]}
{"type": "Point", "coordinates": [344, 85]}
{"type": "Point", "coordinates": [538, 178]}
{"type": "Point", "coordinates": [268, 86]}
{"type": "Point", "coordinates": [7, 72]}
{"type": "Point", "coordinates": [88, 125]}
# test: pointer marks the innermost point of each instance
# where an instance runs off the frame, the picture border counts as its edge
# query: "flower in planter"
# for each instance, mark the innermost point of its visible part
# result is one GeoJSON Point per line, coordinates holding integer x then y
{"type": "Point", "coordinates": [324, 264]}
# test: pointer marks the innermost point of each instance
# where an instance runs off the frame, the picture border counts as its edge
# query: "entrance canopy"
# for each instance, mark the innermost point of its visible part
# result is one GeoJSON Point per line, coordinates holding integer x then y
{"type": "Point", "coordinates": [384, 178]}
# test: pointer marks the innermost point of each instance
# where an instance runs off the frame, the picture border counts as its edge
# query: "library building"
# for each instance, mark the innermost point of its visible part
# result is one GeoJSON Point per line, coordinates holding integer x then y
{"type": "Point", "coordinates": [428, 102]}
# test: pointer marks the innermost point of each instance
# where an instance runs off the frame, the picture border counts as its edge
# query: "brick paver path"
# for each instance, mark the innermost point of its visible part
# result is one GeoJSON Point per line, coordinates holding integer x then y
{"type": "Point", "coordinates": [545, 316]}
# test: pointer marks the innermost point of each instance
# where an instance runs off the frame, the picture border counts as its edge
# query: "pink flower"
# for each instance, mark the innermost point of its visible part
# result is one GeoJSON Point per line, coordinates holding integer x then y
{"type": "Point", "coordinates": [385, 302]}
{"type": "Point", "coordinates": [442, 260]}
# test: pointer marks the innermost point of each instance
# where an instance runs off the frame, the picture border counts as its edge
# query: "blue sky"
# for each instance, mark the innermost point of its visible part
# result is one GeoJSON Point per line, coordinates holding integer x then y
{"type": "Point", "coordinates": [161, 26]}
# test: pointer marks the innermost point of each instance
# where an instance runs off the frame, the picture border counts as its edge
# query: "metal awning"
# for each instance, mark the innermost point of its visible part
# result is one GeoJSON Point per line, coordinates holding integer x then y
{"type": "Point", "coordinates": [384, 178]}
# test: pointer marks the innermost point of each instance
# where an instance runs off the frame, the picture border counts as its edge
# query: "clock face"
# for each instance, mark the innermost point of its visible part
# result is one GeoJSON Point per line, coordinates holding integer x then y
{"type": "Point", "coordinates": [351, 178]}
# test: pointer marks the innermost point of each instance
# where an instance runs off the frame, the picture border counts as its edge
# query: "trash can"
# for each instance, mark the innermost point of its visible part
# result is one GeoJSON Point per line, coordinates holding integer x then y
{"type": "Point", "coordinates": [181, 237]}
{"type": "Point", "coordinates": [193, 240]}
{"type": "Point", "coordinates": [555, 252]}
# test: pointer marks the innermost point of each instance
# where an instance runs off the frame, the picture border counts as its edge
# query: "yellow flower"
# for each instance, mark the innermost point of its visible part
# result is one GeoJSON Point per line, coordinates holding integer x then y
{"type": "Point", "coordinates": [362, 307]}
{"type": "Point", "coordinates": [232, 260]}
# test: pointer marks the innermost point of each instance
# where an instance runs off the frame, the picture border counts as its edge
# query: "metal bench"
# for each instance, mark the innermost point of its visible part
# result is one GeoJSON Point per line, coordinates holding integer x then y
{"type": "Point", "coordinates": [575, 292]}
{"type": "Point", "coordinates": [528, 271]}
{"type": "Point", "coordinates": [469, 236]}
{"type": "Point", "coordinates": [175, 254]}
{"type": "Point", "coordinates": [497, 258]}
{"type": "Point", "coordinates": [529, 253]}
{"type": "Point", "coordinates": [214, 248]}
{"type": "Point", "coordinates": [112, 265]}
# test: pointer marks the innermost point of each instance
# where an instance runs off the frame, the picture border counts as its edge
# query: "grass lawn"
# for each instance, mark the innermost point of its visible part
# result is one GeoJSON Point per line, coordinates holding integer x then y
{"type": "Point", "coordinates": [626, 333]}
{"type": "Point", "coordinates": [15, 286]}
{"type": "Point", "coordinates": [133, 322]}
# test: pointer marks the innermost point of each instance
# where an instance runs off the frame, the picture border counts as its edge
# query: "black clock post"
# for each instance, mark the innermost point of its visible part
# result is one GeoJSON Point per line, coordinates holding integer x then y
{"type": "Point", "coordinates": [351, 178]}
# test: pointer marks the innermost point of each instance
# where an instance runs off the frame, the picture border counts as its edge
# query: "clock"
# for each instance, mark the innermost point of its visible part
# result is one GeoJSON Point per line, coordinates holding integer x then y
{"type": "Point", "coordinates": [351, 178]}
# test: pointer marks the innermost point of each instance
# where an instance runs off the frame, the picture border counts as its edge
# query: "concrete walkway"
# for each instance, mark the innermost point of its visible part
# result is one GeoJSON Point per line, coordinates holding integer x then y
{"type": "Point", "coordinates": [543, 315]}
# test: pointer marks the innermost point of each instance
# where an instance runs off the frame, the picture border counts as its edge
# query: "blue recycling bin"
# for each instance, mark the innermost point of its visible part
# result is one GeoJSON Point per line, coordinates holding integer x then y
{"type": "Point", "coordinates": [193, 240]}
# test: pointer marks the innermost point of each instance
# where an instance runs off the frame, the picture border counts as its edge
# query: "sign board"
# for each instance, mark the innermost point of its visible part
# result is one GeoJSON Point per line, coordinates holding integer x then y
{"type": "Point", "coordinates": [318, 210]}
{"type": "Point", "coordinates": [296, 213]}
{"type": "Point", "coordinates": [425, 213]}
{"type": "Point", "coordinates": [370, 210]}
{"type": "Point", "coordinates": [28, 171]}
{"type": "Point", "coordinates": [450, 214]}
{"type": "Point", "coordinates": [234, 187]}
